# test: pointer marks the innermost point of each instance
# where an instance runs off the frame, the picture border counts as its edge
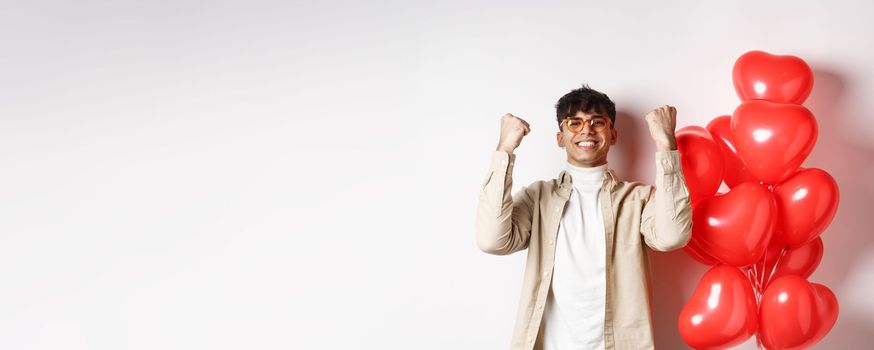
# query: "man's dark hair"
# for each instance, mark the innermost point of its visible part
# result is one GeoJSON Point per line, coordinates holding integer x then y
{"type": "Point", "coordinates": [587, 100]}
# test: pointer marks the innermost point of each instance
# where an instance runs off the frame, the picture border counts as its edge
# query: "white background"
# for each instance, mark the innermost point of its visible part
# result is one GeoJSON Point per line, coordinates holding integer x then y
{"type": "Point", "coordinates": [282, 175]}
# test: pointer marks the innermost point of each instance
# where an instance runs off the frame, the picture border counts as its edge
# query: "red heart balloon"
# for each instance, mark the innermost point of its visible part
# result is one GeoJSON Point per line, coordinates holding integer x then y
{"type": "Point", "coordinates": [694, 250]}
{"type": "Point", "coordinates": [773, 139]}
{"type": "Point", "coordinates": [800, 261]}
{"type": "Point", "coordinates": [827, 310]}
{"type": "Point", "coordinates": [734, 171]}
{"type": "Point", "coordinates": [758, 75]}
{"type": "Point", "coordinates": [794, 313]}
{"type": "Point", "coordinates": [807, 202]}
{"type": "Point", "coordinates": [721, 312]}
{"type": "Point", "coordinates": [737, 226]}
{"type": "Point", "coordinates": [701, 160]}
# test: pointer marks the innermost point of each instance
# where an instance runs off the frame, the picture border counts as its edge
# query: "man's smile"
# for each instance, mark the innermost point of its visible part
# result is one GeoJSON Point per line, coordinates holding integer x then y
{"type": "Point", "coordinates": [587, 145]}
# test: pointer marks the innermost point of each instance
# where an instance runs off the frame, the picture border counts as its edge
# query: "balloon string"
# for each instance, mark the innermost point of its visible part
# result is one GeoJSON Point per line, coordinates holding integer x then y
{"type": "Point", "coordinates": [758, 272]}
{"type": "Point", "coordinates": [757, 291]}
{"type": "Point", "coordinates": [752, 276]}
{"type": "Point", "coordinates": [751, 272]}
{"type": "Point", "coordinates": [764, 268]}
{"type": "Point", "coordinates": [777, 262]}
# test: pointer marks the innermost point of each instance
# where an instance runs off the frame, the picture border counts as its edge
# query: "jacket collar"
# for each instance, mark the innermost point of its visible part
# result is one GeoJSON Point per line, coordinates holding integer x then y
{"type": "Point", "coordinates": [565, 182]}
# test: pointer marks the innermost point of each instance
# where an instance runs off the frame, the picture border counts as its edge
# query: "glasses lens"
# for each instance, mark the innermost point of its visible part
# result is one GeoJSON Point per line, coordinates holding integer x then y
{"type": "Point", "coordinates": [574, 124]}
{"type": "Point", "coordinates": [598, 124]}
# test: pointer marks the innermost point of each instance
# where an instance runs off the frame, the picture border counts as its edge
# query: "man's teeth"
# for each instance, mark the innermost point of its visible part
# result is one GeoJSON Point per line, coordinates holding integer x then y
{"type": "Point", "coordinates": [586, 143]}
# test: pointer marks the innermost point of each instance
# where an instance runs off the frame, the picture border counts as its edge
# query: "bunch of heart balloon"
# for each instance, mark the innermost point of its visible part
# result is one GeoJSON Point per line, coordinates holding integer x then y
{"type": "Point", "coordinates": [762, 236]}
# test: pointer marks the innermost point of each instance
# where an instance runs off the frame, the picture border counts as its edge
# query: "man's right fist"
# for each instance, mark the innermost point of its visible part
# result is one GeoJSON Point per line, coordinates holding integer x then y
{"type": "Point", "coordinates": [513, 129]}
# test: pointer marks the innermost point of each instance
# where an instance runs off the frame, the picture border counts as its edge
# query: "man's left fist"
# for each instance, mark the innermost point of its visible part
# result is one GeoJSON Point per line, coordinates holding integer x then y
{"type": "Point", "coordinates": [662, 121]}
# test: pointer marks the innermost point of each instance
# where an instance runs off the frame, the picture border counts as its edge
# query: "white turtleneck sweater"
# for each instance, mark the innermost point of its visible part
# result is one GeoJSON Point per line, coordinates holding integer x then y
{"type": "Point", "coordinates": [576, 305]}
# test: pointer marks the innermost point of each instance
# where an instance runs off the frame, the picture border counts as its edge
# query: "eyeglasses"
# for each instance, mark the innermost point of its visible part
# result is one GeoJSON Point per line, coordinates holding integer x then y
{"type": "Point", "coordinates": [576, 125]}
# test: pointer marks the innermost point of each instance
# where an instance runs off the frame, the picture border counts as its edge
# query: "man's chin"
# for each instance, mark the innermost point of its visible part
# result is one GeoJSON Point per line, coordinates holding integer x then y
{"type": "Point", "coordinates": [588, 161]}
{"type": "Point", "coordinates": [585, 156]}
{"type": "Point", "coordinates": [585, 161]}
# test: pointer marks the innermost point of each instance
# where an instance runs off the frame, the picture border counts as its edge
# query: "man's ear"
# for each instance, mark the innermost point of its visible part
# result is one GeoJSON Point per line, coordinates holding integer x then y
{"type": "Point", "coordinates": [560, 139]}
{"type": "Point", "coordinates": [615, 134]}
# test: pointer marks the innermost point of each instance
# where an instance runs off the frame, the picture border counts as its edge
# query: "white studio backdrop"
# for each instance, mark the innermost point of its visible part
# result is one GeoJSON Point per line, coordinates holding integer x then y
{"type": "Point", "coordinates": [304, 175]}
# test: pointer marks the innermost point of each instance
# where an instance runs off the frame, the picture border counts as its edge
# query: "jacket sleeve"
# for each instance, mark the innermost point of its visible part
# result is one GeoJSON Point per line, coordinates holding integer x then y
{"type": "Point", "coordinates": [666, 222]}
{"type": "Point", "coordinates": [503, 223]}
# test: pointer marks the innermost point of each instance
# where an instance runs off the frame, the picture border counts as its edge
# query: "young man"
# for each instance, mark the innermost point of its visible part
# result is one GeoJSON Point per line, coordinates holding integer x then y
{"type": "Point", "coordinates": [586, 282]}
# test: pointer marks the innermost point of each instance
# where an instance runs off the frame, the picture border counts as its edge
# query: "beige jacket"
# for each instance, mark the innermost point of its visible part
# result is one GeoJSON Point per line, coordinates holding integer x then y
{"type": "Point", "coordinates": [634, 214]}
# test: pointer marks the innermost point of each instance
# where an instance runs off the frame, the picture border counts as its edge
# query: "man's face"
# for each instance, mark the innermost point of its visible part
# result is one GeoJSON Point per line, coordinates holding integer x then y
{"type": "Point", "coordinates": [587, 148]}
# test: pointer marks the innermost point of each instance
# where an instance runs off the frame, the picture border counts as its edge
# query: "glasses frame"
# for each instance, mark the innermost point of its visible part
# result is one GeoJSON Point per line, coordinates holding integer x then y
{"type": "Point", "coordinates": [588, 121]}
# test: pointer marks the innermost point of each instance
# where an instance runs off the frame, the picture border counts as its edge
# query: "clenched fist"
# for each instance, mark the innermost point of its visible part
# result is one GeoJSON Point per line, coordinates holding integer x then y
{"type": "Point", "coordinates": [513, 129]}
{"type": "Point", "coordinates": [662, 121]}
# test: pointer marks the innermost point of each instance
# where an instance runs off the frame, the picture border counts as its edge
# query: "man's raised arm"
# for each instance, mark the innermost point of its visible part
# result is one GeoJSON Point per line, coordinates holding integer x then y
{"type": "Point", "coordinates": [666, 222]}
{"type": "Point", "coordinates": [503, 223]}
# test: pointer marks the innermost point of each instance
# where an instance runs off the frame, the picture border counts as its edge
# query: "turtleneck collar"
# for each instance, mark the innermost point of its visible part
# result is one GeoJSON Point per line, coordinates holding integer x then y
{"type": "Point", "coordinates": [587, 178]}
